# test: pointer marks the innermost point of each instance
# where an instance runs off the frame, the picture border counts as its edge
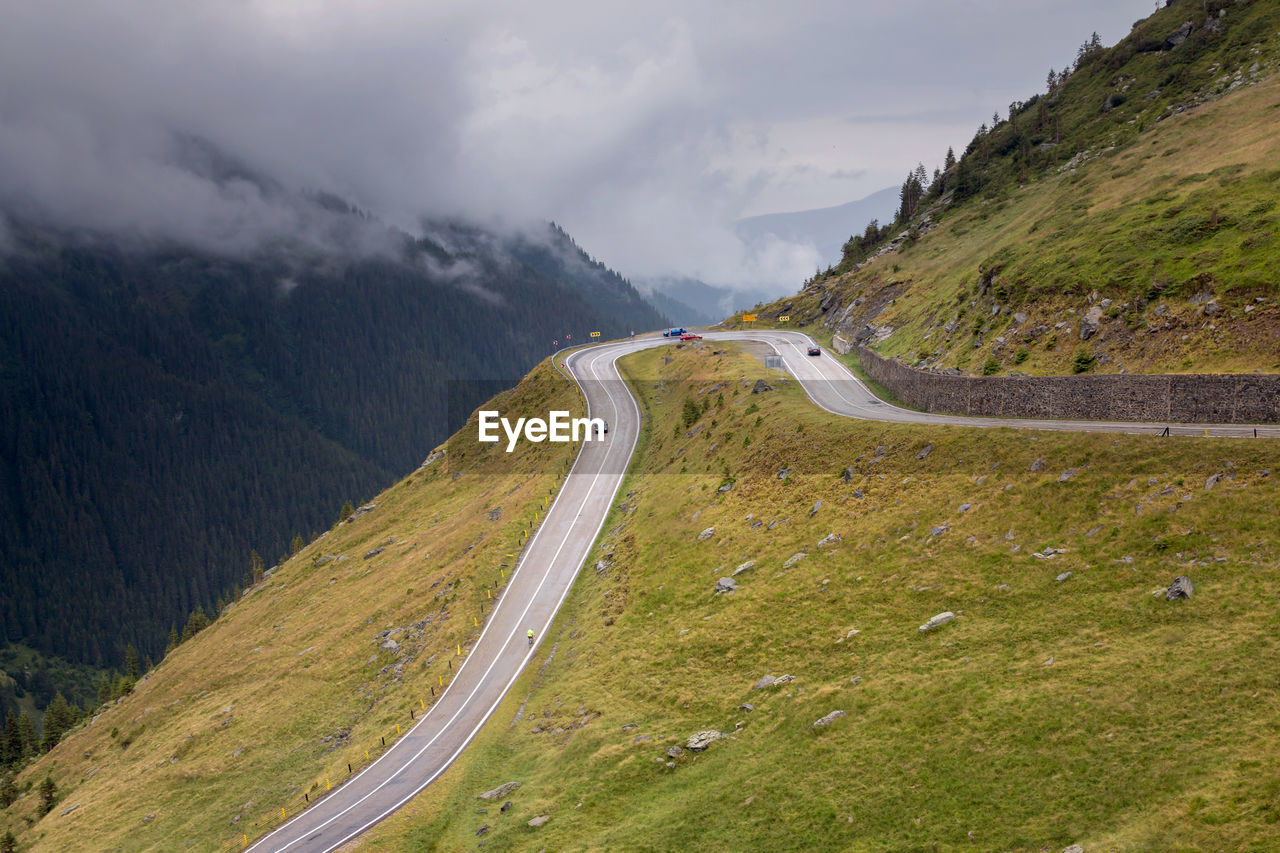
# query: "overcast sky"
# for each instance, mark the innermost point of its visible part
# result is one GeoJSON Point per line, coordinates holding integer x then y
{"type": "Point", "coordinates": [644, 128]}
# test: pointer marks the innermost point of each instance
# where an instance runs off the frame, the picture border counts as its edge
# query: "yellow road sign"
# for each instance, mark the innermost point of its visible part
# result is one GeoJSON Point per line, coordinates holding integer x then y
{"type": "Point", "coordinates": [748, 318]}
{"type": "Point", "coordinates": [595, 334]}
{"type": "Point", "coordinates": [782, 318]}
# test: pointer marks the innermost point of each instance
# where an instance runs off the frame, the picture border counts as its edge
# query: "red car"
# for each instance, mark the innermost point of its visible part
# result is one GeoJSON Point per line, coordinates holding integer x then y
{"type": "Point", "coordinates": [690, 336]}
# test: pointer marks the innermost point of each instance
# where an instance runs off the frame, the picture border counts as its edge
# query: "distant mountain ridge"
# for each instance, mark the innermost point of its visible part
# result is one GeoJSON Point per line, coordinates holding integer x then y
{"type": "Point", "coordinates": [827, 228]}
{"type": "Point", "coordinates": [689, 301]}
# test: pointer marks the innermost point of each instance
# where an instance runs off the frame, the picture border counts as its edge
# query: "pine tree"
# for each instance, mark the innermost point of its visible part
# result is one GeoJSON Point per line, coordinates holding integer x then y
{"type": "Point", "coordinates": [255, 559]}
{"type": "Point", "coordinates": [48, 795]}
{"type": "Point", "coordinates": [296, 545]}
{"type": "Point", "coordinates": [27, 740]}
{"type": "Point", "coordinates": [196, 623]}
{"type": "Point", "coordinates": [911, 193]}
{"type": "Point", "coordinates": [58, 717]}
{"type": "Point", "coordinates": [691, 412]}
{"type": "Point", "coordinates": [8, 791]}
{"type": "Point", "coordinates": [11, 743]}
{"type": "Point", "coordinates": [174, 639]}
{"type": "Point", "coordinates": [950, 160]}
{"type": "Point", "coordinates": [346, 512]}
{"type": "Point", "coordinates": [104, 690]}
{"type": "Point", "coordinates": [131, 662]}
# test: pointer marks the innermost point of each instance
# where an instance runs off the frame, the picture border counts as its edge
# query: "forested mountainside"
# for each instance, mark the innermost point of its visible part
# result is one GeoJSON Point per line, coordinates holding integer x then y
{"type": "Point", "coordinates": [166, 411]}
{"type": "Point", "coordinates": [1121, 220]}
{"type": "Point", "coordinates": [682, 313]}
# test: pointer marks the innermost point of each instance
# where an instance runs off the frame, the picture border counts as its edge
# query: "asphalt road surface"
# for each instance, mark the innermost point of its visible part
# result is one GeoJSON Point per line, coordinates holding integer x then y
{"type": "Point", "coordinates": [554, 554]}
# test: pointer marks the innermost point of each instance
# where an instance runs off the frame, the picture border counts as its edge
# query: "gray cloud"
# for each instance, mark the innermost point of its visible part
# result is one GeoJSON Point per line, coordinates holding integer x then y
{"type": "Point", "coordinates": [645, 129]}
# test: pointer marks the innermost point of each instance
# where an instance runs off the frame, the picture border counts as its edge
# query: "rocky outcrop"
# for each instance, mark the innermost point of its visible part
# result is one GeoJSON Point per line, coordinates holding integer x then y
{"type": "Point", "coordinates": [828, 719]}
{"type": "Point", "coordinates": [1180, 588]}
{"type": "Point", "coordinates": [1178, 36]}
{"type": "Point", "coordinates": [726, 585]}
{"type": "Point", "coordinates": [500, 791]}
{"type": "Point", "coordinates": [701, 740]}
{"type": "Point", "coordinates": [1090, 322]}
{"type": "Point", "coordinates": [941, 619]}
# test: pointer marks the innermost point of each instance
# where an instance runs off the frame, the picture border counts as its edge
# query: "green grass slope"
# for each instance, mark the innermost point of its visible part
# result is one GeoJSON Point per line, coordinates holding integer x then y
{"type": "Point", "coordinates": [1145, 186]}
{"type": "Point", "coordinates": [1083, 710]}
{"type": "Point", "coordinates": [267, 706]}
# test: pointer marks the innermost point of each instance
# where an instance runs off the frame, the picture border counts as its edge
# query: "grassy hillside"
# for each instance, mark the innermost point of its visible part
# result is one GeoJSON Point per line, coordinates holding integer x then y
{"type": "Point", "coordinates": [1049, 712]}
{"type": "Point", "coordinates": [274, 699]}
{"type": "Point", "coordinates": [1144, 187]}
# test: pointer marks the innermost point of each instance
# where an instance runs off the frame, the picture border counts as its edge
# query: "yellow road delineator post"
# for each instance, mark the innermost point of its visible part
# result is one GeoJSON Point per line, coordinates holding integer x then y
{"type": "Point", "coordinates": [459, 649]}
{"type": "Point", "coordinates": [366, 755]}
{"type": "Point", "coordinates": [246, 841]}
{"type": "Point", "coordinates": [474, 622]}
{"type": "Point", "coordinates": [282, 815]}
{"type": "Point", "coordinates": [328, 786]}
{"type": "Point", "coordinates": [397, 729]}
{"type": "Point", "coordinates": [423, 703]}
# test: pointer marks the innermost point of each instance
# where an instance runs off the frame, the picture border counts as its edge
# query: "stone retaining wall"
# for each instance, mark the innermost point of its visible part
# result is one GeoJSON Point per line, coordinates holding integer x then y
{"type": "Point", "coordinates": [1229, 398]}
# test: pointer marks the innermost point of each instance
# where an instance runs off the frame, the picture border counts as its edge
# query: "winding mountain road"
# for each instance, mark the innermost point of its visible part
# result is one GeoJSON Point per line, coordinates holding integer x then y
{"type": "Point", "coordinates": [555, 553]}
